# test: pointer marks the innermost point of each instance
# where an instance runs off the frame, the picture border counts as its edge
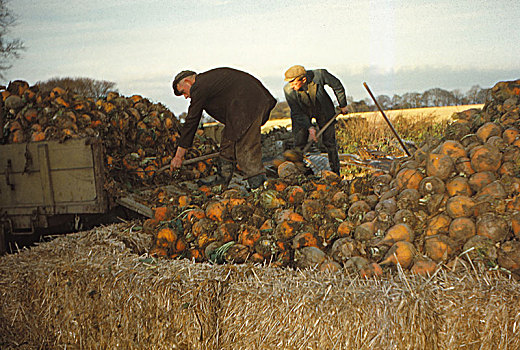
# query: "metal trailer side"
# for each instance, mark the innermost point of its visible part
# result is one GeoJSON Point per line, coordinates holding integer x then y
{"type": "Point", "coordinates": [40, 181]}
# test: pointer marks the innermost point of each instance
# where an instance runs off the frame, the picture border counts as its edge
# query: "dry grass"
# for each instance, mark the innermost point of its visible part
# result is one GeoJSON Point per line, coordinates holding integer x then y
{"type": "Point", "coordinates": [95, 290]}
{"type": "Point", "coordinates": [436, 113]}
{"type": "Point", "coordinates": [358, 133]}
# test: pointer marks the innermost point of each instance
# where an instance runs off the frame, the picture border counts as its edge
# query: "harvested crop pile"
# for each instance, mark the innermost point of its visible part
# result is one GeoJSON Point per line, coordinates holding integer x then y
{"type": "Point", "coordinates": [95, 289]}
{"type": "Point", "coordinates": [425, 256]}
{"type": "Point", "coordinates": [458, 196]}
{"type": "Point", "coordinates": [139, 136]}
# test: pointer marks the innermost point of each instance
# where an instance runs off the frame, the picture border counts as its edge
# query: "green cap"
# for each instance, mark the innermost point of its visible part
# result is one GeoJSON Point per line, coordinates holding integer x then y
{"type": "Point", "coordinates": [295, 72]}
{"type": "Point", "coordinates": [178, 78]}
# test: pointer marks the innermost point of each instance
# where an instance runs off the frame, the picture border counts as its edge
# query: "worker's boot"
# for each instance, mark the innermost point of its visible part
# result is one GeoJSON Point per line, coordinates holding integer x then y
{"type": "Point", "coordinates": [333, 160]}
{"type": "Point", "coordinates": [226, 169]}
{"type": "Point", "coordinates": [256, 181]}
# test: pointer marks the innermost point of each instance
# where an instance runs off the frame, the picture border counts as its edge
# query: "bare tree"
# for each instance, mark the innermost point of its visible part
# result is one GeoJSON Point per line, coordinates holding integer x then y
{"type": "Point", "coordinates": [396, 101]}
{"type": "Point", "coordinates": [384, 101]}
{"type": "Point", "coordinates": [472, 93]}
{"type": "Point", "coordinates": [478, 95]}
{"type": "Point", "coordinates": [458, 96]}
{"type": "Point", "coordinates": [87, 87]}
{"type": "Point", "coordinates": [9, 48]}
{"type": "Point", "coordinates": [358, 106]}
{"type": "Point", "coordinates": [411, 100]}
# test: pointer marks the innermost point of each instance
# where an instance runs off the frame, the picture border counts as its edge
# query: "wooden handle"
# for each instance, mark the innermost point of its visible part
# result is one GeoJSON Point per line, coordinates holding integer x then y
{"type": "Point", "coordinates": [309, 144]}
{"type": "Point", "coordinates": [191, 161]}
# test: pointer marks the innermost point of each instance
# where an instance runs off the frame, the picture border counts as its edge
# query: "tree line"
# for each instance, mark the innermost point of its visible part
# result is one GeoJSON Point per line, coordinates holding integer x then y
{"type": "Point", "coordinates": [435, 97]}
{"type": "Point", "coordinates": [87, 87]}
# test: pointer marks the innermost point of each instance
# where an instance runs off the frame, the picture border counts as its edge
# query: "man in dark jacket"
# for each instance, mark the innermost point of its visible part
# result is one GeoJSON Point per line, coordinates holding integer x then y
{"type": "Point", "coordinates": [240, 102]}
{"type": "Point", "coordinates": [305, 93]}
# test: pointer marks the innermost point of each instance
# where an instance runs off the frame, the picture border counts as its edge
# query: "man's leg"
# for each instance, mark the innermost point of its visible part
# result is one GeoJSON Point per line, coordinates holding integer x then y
{"type": "Point", "coordinates": [249, 154]}
{"type": "Point", "coordinates": [227, 161]}
{"type": "Point", "coordinates": [329, 141]}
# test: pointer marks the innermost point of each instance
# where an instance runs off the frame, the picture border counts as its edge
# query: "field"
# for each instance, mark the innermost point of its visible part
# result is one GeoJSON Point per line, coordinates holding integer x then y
{"type": "Point", "coordinates": [436, 113]}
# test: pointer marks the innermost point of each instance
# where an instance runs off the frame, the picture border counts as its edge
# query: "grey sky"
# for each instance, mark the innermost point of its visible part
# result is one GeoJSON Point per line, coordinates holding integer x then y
{"type": "Point", "coordinates": [395, 46]}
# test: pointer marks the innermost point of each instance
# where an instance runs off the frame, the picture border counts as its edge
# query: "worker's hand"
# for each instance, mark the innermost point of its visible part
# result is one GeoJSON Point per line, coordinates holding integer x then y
{"type": "Point", "coordinates": [312, 134]}
{"type": "Point", "coordinates": [175, 163]}
{"type": "Point", "coordinates": [177, 160]}
{"type": "Point", "coordinates": [344, 110]}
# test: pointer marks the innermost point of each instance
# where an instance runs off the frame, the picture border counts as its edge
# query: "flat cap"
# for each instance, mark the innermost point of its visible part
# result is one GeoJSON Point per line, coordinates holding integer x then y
{"type": "Point", "coordinates": [295, 72]}
{"type": "Point", "coordinates": [178, 78]}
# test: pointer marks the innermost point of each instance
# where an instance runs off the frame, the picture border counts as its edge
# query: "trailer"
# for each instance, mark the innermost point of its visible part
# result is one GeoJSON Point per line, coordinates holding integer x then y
{"type": "Point", "coordinates": [54, 187]}
{"type": "Point", "coordinates": [50, 185]}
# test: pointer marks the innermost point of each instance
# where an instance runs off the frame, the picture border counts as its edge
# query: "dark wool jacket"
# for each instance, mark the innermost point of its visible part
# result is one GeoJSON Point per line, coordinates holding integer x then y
{"type": "Point", "coordinates": [325, 108]}
{"type": "Point", "coordinates": [232, 97]}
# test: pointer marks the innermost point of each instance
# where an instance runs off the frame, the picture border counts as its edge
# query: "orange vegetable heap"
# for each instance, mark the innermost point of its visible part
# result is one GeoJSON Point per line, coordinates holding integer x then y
{"type": "Point", "coordinates": [455, 197]}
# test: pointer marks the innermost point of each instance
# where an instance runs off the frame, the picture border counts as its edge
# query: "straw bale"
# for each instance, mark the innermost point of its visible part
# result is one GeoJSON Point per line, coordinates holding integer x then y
{"type": "Point", "coordinates": [96, 289]}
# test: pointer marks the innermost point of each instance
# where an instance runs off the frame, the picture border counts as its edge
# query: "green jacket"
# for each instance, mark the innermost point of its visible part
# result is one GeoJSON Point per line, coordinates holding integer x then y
{"type": "Point", "coordinates": [324, 107]}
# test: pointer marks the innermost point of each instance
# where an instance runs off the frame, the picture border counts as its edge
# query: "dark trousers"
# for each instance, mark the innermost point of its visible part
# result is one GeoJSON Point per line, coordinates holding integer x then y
{"type": "Point", "coordinates": [328, 139]}
{"type": "Point", "coordinates": [246, 151]}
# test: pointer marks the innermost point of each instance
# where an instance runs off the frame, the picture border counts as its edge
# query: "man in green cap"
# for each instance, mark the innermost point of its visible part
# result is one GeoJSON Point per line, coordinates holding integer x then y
{"type": "Point", "coordinates": [240, 102]}
{"type": "Point", "coordinates": [305, 93]}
